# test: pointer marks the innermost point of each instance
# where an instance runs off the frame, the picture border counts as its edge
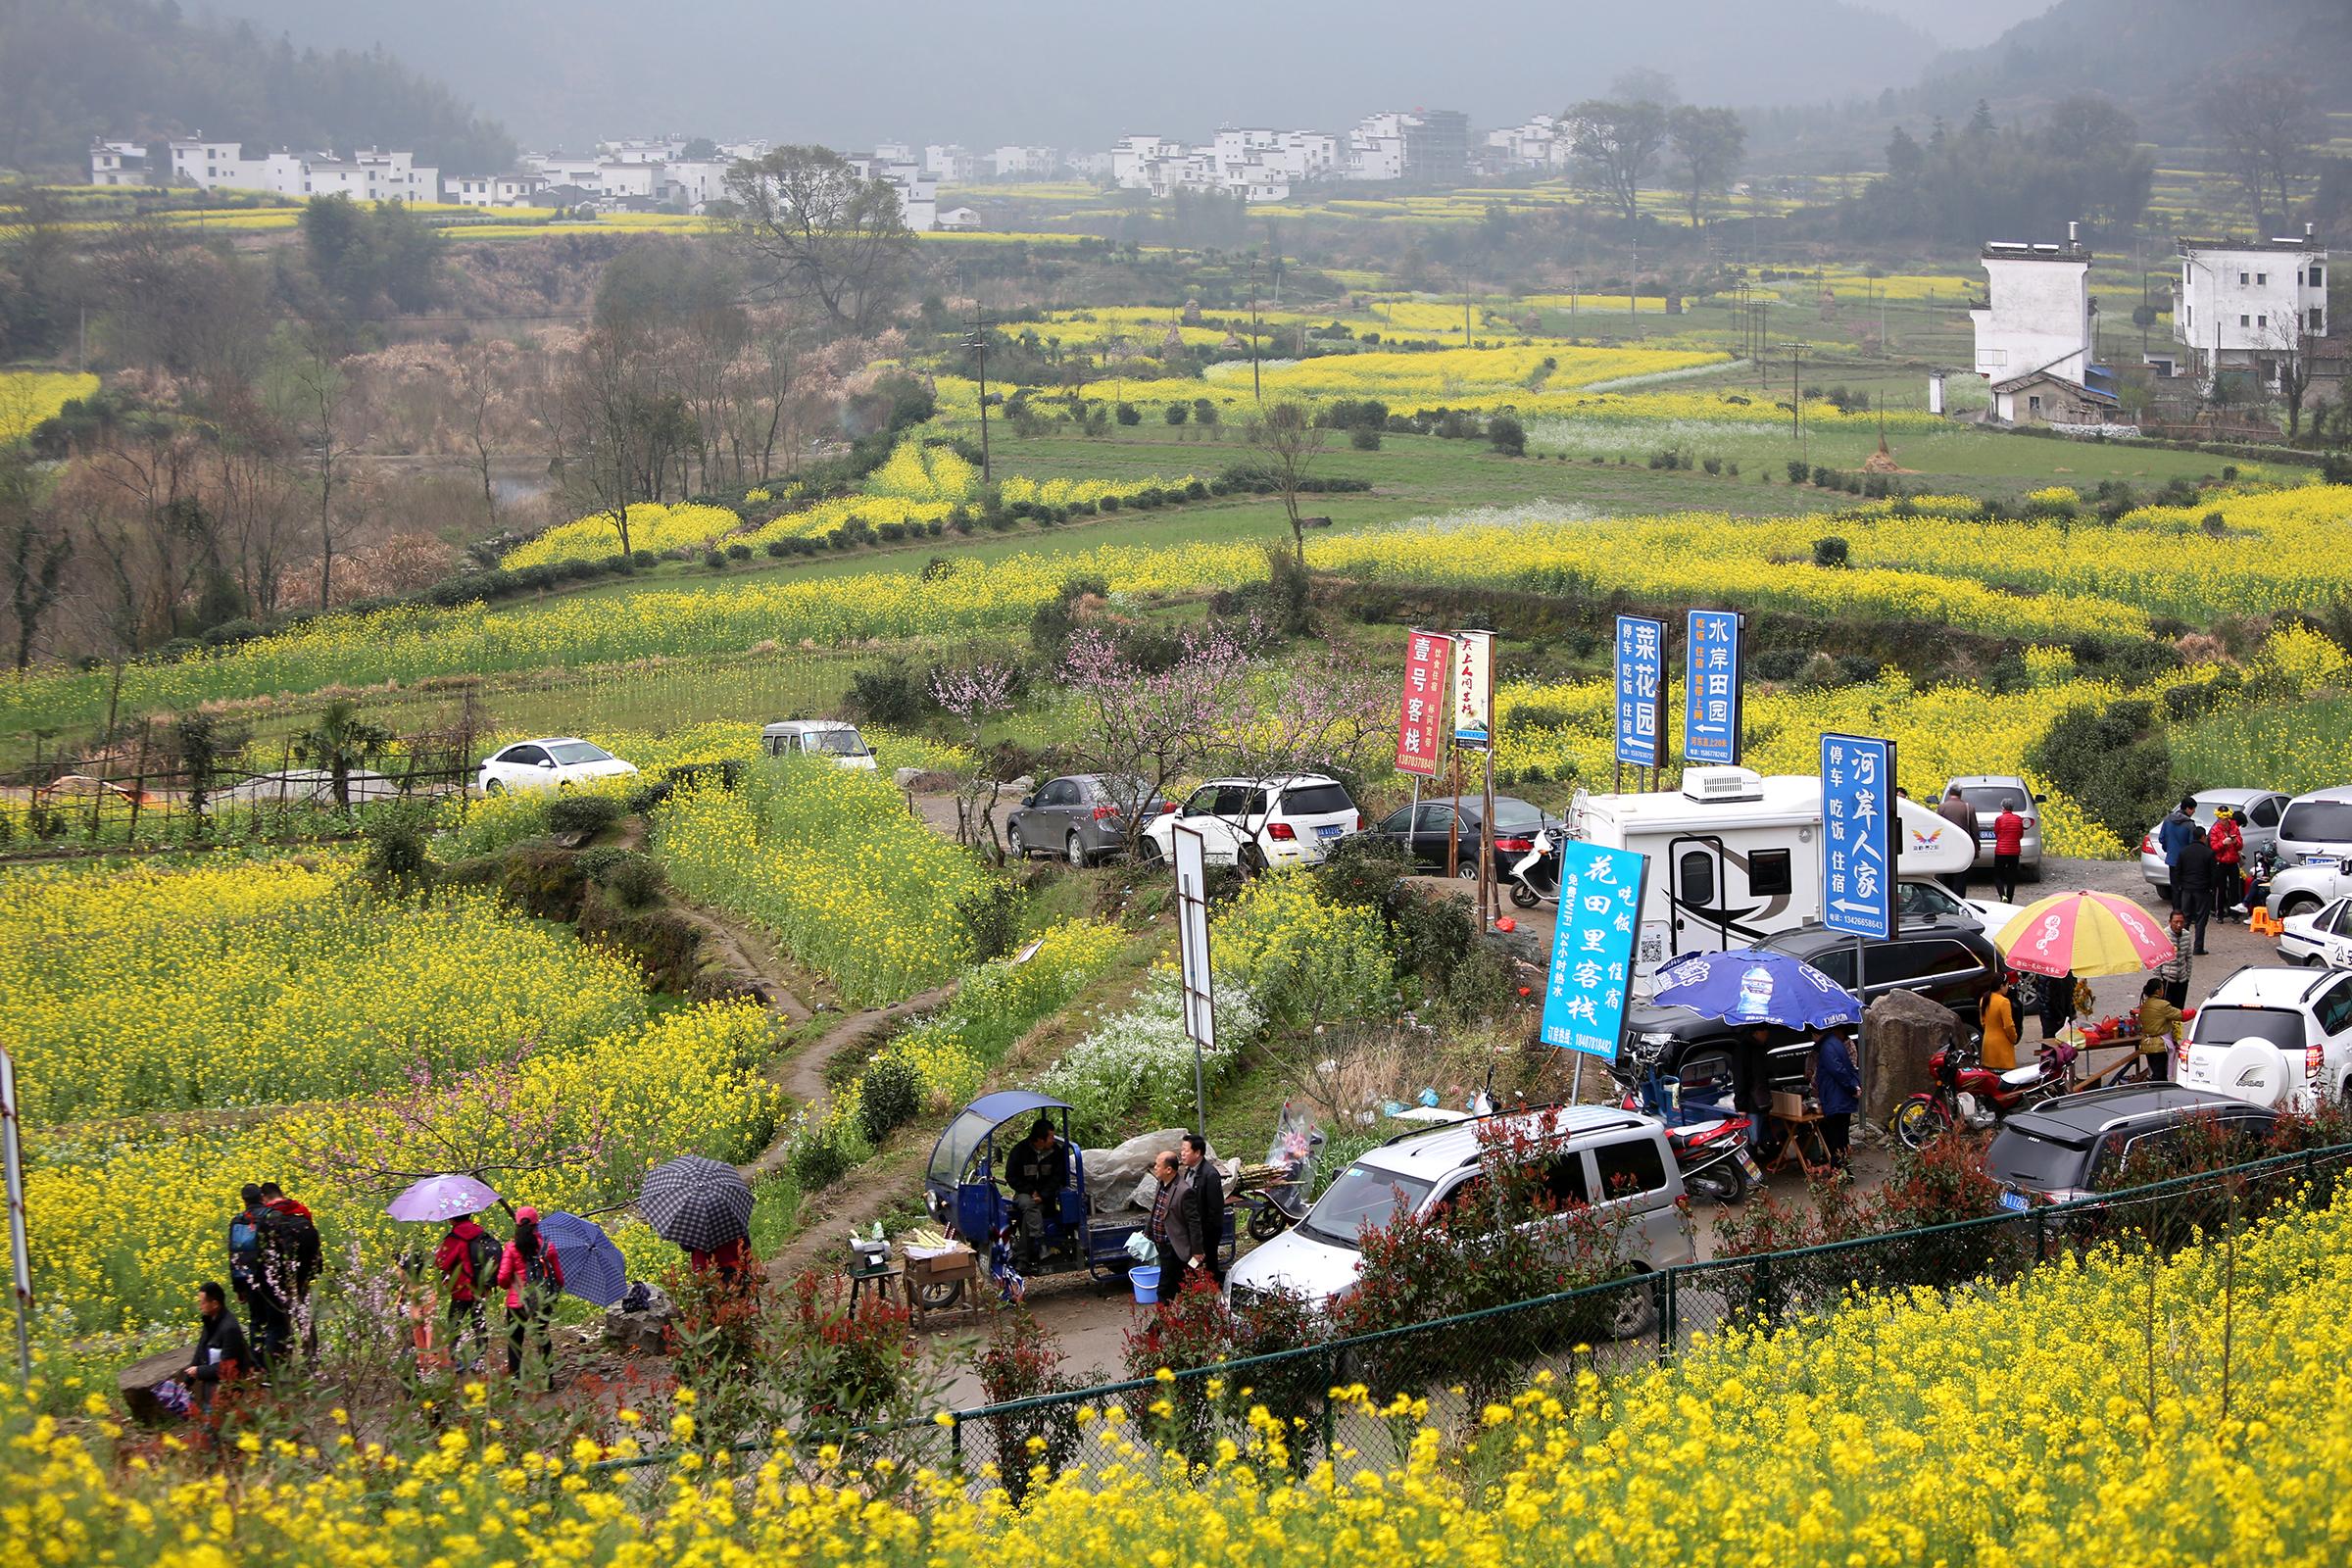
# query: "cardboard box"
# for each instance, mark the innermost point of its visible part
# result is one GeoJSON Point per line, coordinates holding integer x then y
{"type": "Point", "coordinates": [1785, 1104]}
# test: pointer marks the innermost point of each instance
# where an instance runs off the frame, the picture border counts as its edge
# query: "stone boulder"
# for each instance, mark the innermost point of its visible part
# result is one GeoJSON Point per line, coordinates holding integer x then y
{"type": "Point", "coordinates": [1900, 1031]}
{"type": "Point", "coordinates": [642, 1331]}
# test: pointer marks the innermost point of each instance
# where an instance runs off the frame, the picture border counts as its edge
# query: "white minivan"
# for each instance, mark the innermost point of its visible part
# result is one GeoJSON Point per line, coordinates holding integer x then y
{"type": "Point", "coordinates": [818, 737]}
{"type": "Point", "coordinates": [1599, 1150]}
{"type": "Point", "coordinates": [2316, 829]}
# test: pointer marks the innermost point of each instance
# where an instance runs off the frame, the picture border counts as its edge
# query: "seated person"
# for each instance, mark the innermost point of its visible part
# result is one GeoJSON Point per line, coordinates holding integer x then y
{"type": "Point", "coordinates": [1038, 1173]}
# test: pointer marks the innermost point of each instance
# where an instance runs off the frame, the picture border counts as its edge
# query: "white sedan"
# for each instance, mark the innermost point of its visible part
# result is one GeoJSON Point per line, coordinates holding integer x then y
{"type": "Point", "coordinates": [555, 763]}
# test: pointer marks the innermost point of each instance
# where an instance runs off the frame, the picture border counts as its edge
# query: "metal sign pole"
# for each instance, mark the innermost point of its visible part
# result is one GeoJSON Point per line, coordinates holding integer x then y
{"type": "Point", "coordinates": [19, 1259]}
{"type": "Point", "coordinates": [1196, 972]}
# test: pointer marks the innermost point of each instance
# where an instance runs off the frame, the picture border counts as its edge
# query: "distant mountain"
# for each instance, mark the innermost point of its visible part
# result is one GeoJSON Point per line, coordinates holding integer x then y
{"type": "Point", "coordinates": [2149, 55]}
{"type": "Point", "coordinates": [1961, 27]}
{"type": "Point", "coordinates": [1077, 73]}
{"type": "Point", "coordinates": [71, 69]}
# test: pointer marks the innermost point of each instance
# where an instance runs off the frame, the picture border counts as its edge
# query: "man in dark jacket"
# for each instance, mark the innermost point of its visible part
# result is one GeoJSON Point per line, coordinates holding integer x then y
{"type": "Point", "coordinates": [1164, 1171]}
{"type": "Point", "coordinates": [1037, 1173]}
{"type": "Point", "coordinates": [2172, 837]}
{"type": "Point", "coordinates": [262, 1269]}
{"type": "Point", "coordinates": [296, 1238]}
{"type": "Point", "coordinates": [1197, 1213]}
{"type": "Point", "coordinates": [2194, 882]}
{"type": "Point", "coordinates": [1956, 810]}
{"type": "Point", "coordinates": [1838, 1085]}
{"type": "Point", "coordinates": [220, 1354]}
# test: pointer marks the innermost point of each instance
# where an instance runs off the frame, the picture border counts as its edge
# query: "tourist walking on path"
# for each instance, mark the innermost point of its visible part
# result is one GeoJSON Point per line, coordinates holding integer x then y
{"type": "Point", "coordinates": [2194, 886]}
{"type": "Point", "coordinates": [469, 1260]}
{"type": "Point", "coordinates": [2008, 843]}
{"type": "Point", "coordinates": [533, 1276]}
{"type": "Point", "coordinates": [1956, 810]}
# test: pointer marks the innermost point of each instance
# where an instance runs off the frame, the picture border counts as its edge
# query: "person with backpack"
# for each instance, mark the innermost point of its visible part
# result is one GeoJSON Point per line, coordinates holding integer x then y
{"type": "Point", "coordinates": [296, 1237]}
{"type": "Point", "coordinates": [260, 1276]}
{"type": "Point", "coordinates": [469, 1260]}
{"type": "Point", "coordinates": [533, 1277]}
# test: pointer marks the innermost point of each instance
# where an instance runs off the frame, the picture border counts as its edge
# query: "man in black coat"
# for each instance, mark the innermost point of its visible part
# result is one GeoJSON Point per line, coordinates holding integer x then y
{"type": "Point", "coordinates": [222, 1354]}
{"type": "Point", "coordinates": [1197, 1216]}
{"type": "Point", "coordinates": [2194, 879]}
{"type": "Point", "coordinates": [1037, 1173]}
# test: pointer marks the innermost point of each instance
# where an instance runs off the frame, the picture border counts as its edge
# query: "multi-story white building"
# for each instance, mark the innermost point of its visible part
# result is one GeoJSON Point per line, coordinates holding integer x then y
{"type": "Point", "coordinates": [1024, 163]}
{"type": "Point", "coordinates": [1541, 145]}
{"type": "Point", "coordinates": [917, 192]}
{"type": "Point", "coordinates": [2253, 307]}
{"type": "Point", "coordinates": [2035, 339]}
{"type": "Point", "coordinates": [951, 162]}
{"type": "Point", "coordinates": [694, 183]}
{"type": "Point", "coordinates": [1376, 147]}
{"type": "Point", "coordinates": [650, 150]}
{"type": "Point", "coordinates": [117, 162]}
{"type": "Point", "coordinates": [369, 174]}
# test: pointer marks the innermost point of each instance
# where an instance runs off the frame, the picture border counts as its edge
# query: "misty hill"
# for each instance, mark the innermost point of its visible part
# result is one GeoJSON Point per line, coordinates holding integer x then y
{"type": "Point", "coordinates": [71, 69]}
{"type": "Point", "coordinates": [1077, 73]}
{"type": "Point", "coordinates": [2149, 55]}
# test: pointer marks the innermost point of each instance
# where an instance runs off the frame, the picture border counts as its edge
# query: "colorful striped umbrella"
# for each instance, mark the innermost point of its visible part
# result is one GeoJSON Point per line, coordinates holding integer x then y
{"type": "Point", "coordinates": [2083, 934]}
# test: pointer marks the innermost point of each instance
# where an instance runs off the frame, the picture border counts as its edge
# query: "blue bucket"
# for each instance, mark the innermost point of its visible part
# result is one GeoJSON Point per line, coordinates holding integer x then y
{"type": "Point", "coordinates": [1145, 1277]}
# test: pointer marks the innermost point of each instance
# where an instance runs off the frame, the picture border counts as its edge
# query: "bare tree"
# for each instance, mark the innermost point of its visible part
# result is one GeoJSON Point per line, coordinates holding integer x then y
{"type": "Point", "coordinates": [976, 693]}
{"type": "Point", "coordinates": [480, 387]}
{"type": "Point", "coordinates": [2285, 337]}
{"type": "Point", "coordinates": [822, 232]}
{"type": "Point", "coordinates": [595, 422]}
{"type": "Point", "coordinates": [34, 549]}
{"type": "Point", "coordinates": [314, 391]}
{"type": "Point", "coordinates": [2267, 127]}
{"type": "Point", "coordinates": [1287, 438]}
{"type": "Point", "coordinates": [1710, 143]}
{"type": "Point", "coordinates": [1615, 144]}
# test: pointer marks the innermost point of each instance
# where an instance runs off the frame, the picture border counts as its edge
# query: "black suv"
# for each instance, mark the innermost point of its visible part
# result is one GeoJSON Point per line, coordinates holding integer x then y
{"type": "Point", "coordinates": [2077, 1145]}
{"type": "Point", "coordinates": [1946, 962]}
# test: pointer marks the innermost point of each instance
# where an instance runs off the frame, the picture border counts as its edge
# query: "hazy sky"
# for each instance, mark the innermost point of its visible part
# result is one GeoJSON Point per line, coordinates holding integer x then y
{"type": "Point", "coordinates": [1079, 72]}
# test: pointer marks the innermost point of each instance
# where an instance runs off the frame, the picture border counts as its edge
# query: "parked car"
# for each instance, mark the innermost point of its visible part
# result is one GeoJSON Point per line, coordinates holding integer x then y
{"type": "Point", "coordinates": [1427, 828]}
{"type": "Point", "coordinates": [1927, 902]}
{"type": "Point", "coordinates": [2257, 813]}
{"type": "Point", "coordinates": [2280, 1039]}
{"type": "Point", "coordinates": [1081, 817]}
{"type": "Point", "coordinates": [2314, 907]}
{"type": "Point", "coordinates": [1985, 792]}
{"type": "Point", "coordinates": [2316, 829]}
{"type": "Point", "coordinates": [552, 762]}
{"type": "Point", "coordinates": [1599, 1150]}
{"type": "Point", "coordinates": [1951, 962]}
{"type": "Point", "coordinates": [818, 737]}
{"type": "Point", "coordinates": [2078, 1145]}
{"type": "Point", "coordinates": [1261, 823]}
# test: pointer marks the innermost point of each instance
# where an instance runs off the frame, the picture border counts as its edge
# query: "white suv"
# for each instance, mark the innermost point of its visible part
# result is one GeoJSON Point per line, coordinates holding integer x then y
{"type": "Point", "coordinates": [1261, 823]}
{"type": "Point", "coordinates": [2276, 1038]}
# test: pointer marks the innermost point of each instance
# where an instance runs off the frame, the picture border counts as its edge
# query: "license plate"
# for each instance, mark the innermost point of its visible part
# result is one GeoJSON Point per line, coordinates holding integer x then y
{"type": "Point", "coordinates": [2015, 1202]}
{"type": "Point", "coordinates": [1748, 1163]}
{"type": "Point", "coordinates": [1330, 830]}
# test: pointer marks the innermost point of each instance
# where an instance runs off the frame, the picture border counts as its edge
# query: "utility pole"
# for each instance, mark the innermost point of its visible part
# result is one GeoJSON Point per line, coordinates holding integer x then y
{"type": "Point", "coordinates": [977, 341]}
{"type": "Point", "coordinates": [1633, 289]}
{"type": "Point", "coordinates": [1763, 336]}
{"type": "Point", "coordinates": [1797, 396]}
{"type": "Point", "coordinates": [1257, 392]}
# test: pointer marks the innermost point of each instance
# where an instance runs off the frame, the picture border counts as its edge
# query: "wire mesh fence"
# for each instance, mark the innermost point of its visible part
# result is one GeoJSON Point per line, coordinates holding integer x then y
{"type": "Point", "coordinates": [1361, 1401]}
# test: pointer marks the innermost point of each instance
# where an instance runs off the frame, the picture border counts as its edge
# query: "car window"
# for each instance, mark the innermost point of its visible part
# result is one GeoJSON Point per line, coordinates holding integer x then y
{"type": "Point", "coordinates": [1436, 818]}
{"type": "Point", "coordinates": [1315, 799]}
{"type": "Point", "coordinates": [1564, 1180]}
{"type": "Point", "coordinates": [2266, 811]}
{"type": "Point", "coordinates": [837, 742]}
{"type": "Point", "coordinates": [1357, 1197]}
{"type": "Point", "coordinates": [2150, 1148]}
{"type": "Point", "coordinates": [529, 756]}
{"type": "Point", "coordinates": [2021, 1158]}
{"type": "Point", "coordinates": [1694, 877]}
{"type": "Point", "coordinates": [2223, 1024]}
{"type": "Point", "coordinates": [2318, 822]}
{"type": "Point", "coordinates": [1839, 964]}
{"type": "Point", "coordinates": [1516, 817]}
{"type": "Point", "coordinates": [1399, 821]}
{"type": "Point", "coordinates": [1630, 1167]}
{"type": "Point", "coordinates": [1061, 792]}
{"type": "Point", "coordinates": [2330, 920]}
{"type": "Point", "coordinates": [1768, 874]}
{"type": "Point", "coordinates": [2334, 1011]}
{"type": "Point", "coordinates": [1245, 803]}
{"type": "Point", "coordinates": [1988, 798]}
{"type": "Point", "coordinates": [1927, 901]}
{"type": "Point", "coordinates": [1901, 962]}
{"type": "Point", "coordinates": [575, 752]}
{"type": "Point", "coordinates": [1207, 800]}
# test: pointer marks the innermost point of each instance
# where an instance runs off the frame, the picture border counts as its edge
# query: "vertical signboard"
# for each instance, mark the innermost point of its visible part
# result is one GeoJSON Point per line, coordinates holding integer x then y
{"type": "Point", "coordinates": [1590, 982]}
{"type": "Point", "coordinates": [1640, 687]}
{"type": "Point", "coordinates": [1421, 708]}
{"type": "Point", "coordinates": [1191, 952]}
{"type": "Point", "coordinates": [1711, 687]}
{"type": "Point", "coordinates": [1473, 687]}
{"type": "Point", "coordinates": [1857, 858]}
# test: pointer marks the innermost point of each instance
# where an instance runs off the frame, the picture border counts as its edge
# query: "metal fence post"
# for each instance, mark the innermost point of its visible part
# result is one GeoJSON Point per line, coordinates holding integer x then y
{"type": "Point", "coordinates": [1669, 1324]}
{"type": "Point", "coordinates": [955, 1441]}
{"type": "Point", "coordinates": [1330, 1380]}
{"type": "Point", "coordinates": [2041, 1238]}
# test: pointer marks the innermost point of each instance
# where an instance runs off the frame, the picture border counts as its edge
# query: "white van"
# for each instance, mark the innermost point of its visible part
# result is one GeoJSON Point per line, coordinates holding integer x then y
{"type": "Point", "coordinates": [818, 737]}
{"type": "Point", "coordinates": [1735, 856]}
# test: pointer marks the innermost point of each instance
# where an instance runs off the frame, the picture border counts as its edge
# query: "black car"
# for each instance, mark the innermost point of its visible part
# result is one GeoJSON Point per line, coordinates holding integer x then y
{"type": "Point", "coordinates": [1425, 829]}
{"type": "Point", "coordinates": [1947, 963]}
{"type": "Point", "coordinates": [1082, 818]}
{"type": "Point", "coordinates": [2078, 1145]}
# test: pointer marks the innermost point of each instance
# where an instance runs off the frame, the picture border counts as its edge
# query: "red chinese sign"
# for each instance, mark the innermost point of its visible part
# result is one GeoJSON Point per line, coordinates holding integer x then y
{"type": "Point", "coordinates": [1421, 713]}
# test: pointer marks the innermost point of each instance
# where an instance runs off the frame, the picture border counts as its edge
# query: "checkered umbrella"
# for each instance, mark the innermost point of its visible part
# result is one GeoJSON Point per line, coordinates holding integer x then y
{"type": "Point", "coordinates": [696, 1203]}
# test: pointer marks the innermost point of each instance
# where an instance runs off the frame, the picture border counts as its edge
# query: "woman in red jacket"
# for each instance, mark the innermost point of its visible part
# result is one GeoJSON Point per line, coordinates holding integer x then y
{"type": "Point", "coordinates": [2227, 841]}
{"type": "Point", "coordinates": [533, 1277]}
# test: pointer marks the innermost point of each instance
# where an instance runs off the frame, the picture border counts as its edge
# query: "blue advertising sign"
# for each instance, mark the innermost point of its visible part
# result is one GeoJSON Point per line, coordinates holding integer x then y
{"type": "Point", "coordinates": [1593, 947]}
{"type": "Point", "coordinates": [1857, 849]}
{"type": "Point", "coordinates": [1711, 687]}
{"type": "Point", "coordinates": [1641, 683]}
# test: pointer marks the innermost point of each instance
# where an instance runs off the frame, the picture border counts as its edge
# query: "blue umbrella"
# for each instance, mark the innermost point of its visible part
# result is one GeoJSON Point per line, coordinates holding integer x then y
{"type": "Point", "coordinates": [593, 1269]}
{"type": "Point", "coordinates": [1748, 987]}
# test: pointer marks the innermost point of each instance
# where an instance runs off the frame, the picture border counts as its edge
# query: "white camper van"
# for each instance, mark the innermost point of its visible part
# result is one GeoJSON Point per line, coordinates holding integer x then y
{"type": "Point", "coordinates": [1735, 856]}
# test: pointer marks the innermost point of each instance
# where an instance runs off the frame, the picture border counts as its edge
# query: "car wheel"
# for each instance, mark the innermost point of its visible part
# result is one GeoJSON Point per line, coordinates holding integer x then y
{"type": "Point", "coordinates": [1015, 846]}
{"type": "Point", "coordinates": [1075, 851]}
{"type": "Point", "coordinates": [494, 786]}
{"type": "Point", "coordinates": [1252, 859]}
{"type": "Point", "coordinates": [1466, 870]}
{"type": "Point", "coordinates": [2300, 904]}
{"type": "Point", "coordinates": [2163, 892]}
{"type": "Point", "coordinates": [1150, 850]}
{"type": "Point", "coordinates": [1635, 1312]}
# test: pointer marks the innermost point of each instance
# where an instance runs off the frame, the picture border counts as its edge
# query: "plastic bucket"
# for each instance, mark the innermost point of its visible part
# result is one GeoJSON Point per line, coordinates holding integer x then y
{"type": "Point", "coordinates": [1145, 1277]}
{"type": "Point", "coordinates": [1670, 1089]}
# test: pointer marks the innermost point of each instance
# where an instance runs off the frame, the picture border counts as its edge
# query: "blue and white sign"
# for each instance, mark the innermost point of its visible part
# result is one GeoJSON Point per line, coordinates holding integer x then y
{"type": "Point", "coordinates": [1857, 859]}
{"type": "Point", "coordinates": [1711, 687]}
{"type": "Point", "coordinates": [1641, 682]}
{"type": "Point", "coordinates": [1593, 947]}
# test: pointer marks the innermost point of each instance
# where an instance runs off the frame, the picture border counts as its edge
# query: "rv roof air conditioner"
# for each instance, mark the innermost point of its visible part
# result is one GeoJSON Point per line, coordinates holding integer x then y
{"type": "Point", "coordinates": [1715, 784]}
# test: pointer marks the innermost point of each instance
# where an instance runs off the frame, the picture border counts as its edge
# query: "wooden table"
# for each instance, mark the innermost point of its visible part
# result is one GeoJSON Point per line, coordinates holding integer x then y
{"type": "Point", "coordinates": [1795, 1131]}
{"type": "Point", "coordinates": [884, 1281]}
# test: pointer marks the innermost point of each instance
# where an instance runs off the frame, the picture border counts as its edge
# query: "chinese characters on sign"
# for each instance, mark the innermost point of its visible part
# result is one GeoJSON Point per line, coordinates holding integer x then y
{"type": "Point", "coordinates": [1473, 670]}
{"type": "Point", "coordinates": [1593, 947]}
{"type": "Point", "coordinates": [1640, 679]}
{"type": "Point", "coordinates": [1711, 687]}
{"type": "Point", "coordinates": [1421, 713]}
{"type": "Point", "coordinates": [1857, 871]}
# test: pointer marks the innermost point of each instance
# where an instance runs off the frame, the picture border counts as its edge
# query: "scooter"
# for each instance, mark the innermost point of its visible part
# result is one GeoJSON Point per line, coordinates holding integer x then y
{"type": "Point", "coordinates": [1711, 1142]}
{"type": "Point", "coordinates": [1536, 879]}
{"type": "Point", "coordinates": [1277, 1205]}
{"type": "Point", "coordinates": [1969, 1093]}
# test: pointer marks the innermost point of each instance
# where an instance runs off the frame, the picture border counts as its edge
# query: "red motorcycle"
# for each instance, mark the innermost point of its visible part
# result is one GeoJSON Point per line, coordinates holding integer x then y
{"type": "Point", "coordinates": [1969, 1093]}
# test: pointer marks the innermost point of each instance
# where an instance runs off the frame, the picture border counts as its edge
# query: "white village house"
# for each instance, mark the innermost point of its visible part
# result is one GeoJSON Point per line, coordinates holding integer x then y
{"type": "Point", "coordinates": [2258, 306]}
{"type": "Point", "coordinates": [2034, 342]}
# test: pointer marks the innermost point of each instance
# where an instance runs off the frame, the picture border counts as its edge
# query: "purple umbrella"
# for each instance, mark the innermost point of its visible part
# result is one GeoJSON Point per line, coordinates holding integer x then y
{"type": "Point", "coordinates": [440, 1198]}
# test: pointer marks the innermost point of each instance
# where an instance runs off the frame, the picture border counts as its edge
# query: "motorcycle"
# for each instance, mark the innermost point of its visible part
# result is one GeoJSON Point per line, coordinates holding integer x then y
{"type": "Point", "coordinates": [1536, 879]}
{"type": "Point", "coordinates": [1279, 1202]}
{"type": "Point", "coordinates": [1968, 1094]}
{"type": "Point", "coordinates": [1711, 1142]}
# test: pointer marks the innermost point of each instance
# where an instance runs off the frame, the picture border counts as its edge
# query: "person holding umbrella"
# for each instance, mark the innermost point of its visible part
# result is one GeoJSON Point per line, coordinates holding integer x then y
{"type": "Point", "coordinates": [533, 1276]}
{"type": "Point", "coordinates": [468, 1258]}
{"type": "Point", "coordinates": [702, 1205]}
